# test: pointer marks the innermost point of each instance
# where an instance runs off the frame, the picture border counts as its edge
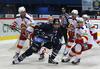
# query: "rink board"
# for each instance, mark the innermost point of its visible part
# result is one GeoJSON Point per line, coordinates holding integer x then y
{"type": "Point", "coordinates": [6, 33]}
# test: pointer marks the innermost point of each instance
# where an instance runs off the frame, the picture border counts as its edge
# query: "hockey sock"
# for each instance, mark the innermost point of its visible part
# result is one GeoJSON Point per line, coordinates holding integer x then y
{"type": "Point", "coordinates": [22, 57]}
{"type": "Point", "coordinates": [68, 47]}
{"type": "Point", "coordinates": [20, 46]}
{"type": "Point", "coordinates": [71, 54]}
{"type": "Point", "coordinates": [54, 54]}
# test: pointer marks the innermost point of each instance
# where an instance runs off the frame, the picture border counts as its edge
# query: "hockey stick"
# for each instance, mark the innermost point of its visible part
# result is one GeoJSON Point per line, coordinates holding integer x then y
{"type": "Point", "coordinates": [15, 27]}
{"type": "Point", "coordinates": [64, 51]}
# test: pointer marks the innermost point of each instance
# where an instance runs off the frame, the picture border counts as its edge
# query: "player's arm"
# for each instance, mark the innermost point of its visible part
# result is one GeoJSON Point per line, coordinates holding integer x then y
{"type": "Point", "coordinates": [85, 36]}
{"type": "Point", "coordinates": [31, 26]}
{"type": "Point", "coordinates": [14, 24]}
{"type": "Point", "coordinates": [91, 26]}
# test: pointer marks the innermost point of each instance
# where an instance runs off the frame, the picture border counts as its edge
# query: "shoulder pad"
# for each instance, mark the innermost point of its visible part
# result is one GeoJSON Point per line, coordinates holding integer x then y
{"type": "Point", "coordinates": [18, 16]}
{"type": "Point", "coordinates": [28, 16]}
{"type": "Point", "coordinates": [70, 18]}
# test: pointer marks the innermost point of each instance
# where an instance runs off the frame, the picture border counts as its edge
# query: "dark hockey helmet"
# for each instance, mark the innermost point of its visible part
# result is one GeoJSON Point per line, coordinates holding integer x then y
{"type": "Point", "coordinates": [56, 21]}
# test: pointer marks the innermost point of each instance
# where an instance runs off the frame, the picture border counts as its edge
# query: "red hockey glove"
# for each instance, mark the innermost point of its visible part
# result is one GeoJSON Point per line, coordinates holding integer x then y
{"type": "Point", "coordinates": [26, 33]}
{"type": "Point", "coordinates": [13, 25]}
{"type": "Point", "coordinates": [78, 41]}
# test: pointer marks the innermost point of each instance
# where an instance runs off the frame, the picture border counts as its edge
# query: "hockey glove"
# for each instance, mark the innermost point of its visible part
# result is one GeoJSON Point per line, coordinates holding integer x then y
{"type": "Point", "coordinates": [25, 33]}
{"type": "Point", "coordinates": [13, 25]}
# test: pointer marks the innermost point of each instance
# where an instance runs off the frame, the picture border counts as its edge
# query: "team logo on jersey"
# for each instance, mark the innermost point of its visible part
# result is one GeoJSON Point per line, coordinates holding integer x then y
{"type": "Point", "coordinates": [71, 27]}
{"type": "Point", "coordinates": [23, 26]}
{"type": "Point", "coordinates": [78, 35]}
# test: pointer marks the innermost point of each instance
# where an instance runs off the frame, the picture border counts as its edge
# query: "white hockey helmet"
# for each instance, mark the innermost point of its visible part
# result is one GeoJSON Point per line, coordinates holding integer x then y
{"type": "Point", "coordinates": [85, 16]}
{"type": "Point", "coordinates": [21, 9]}
{"type": "Point", "coordinates": [80, 19]}
{"type": "Point", "coordinates": [75, 12]}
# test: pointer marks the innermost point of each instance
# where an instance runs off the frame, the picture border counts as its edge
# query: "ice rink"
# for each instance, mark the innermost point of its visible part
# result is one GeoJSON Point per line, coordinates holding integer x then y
{"type": "Point", "coordinates": [90, 59]}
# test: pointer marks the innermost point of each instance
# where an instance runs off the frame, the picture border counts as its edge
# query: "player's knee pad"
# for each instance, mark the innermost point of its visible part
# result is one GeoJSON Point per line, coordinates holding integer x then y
{"type": "Point", "coordinates": [78, 48]}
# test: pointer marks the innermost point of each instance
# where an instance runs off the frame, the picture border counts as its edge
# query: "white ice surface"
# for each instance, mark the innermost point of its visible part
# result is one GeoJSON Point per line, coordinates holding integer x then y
{"type": "Point", "coordinates": [90, 59]}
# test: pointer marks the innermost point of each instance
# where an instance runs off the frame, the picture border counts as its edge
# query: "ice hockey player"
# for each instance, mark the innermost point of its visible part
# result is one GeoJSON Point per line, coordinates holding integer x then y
{"type": "Point", "coordinates": [46, 35]}
{"type": "Point", "coordinates": [50, 20]}
{"type": "Point", "coordinates": [91, 28]}
{"type": "Point", "coordinates": [83, 42]}
{"type": "Point", "coordinates": [24, 21]}
{"type": "Point", "coordinates": [71, 30]}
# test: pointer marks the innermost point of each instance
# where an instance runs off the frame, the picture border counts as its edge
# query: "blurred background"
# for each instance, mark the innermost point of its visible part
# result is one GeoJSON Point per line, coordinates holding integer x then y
{"type": "Point", "coordinates": [44, 8]}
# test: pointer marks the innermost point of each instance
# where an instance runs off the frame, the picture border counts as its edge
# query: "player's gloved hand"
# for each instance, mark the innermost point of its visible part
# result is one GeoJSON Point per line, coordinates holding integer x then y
{"type": "Point", "coordinates": [26, 33]}
{"type": "Point", "coordinates": [13, 25]}
{"type": "Point", "coordinates": [79, 41]}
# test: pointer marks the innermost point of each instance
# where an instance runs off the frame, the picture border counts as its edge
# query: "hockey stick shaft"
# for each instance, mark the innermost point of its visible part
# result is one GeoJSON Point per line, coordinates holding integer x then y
{"type": "Point", "coordinates": [16, 28]}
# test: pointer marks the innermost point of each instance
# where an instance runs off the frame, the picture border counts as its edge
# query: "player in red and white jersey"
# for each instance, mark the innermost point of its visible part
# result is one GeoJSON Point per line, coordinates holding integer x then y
{"type": "Point", "coordinates": [91, 28]}
{"type": "Point", "coordinates": [25, 22]}
{"type": "Point", "coordinates": [83, 40]}
{"type": "Point", "coordinates": [71, 30]}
